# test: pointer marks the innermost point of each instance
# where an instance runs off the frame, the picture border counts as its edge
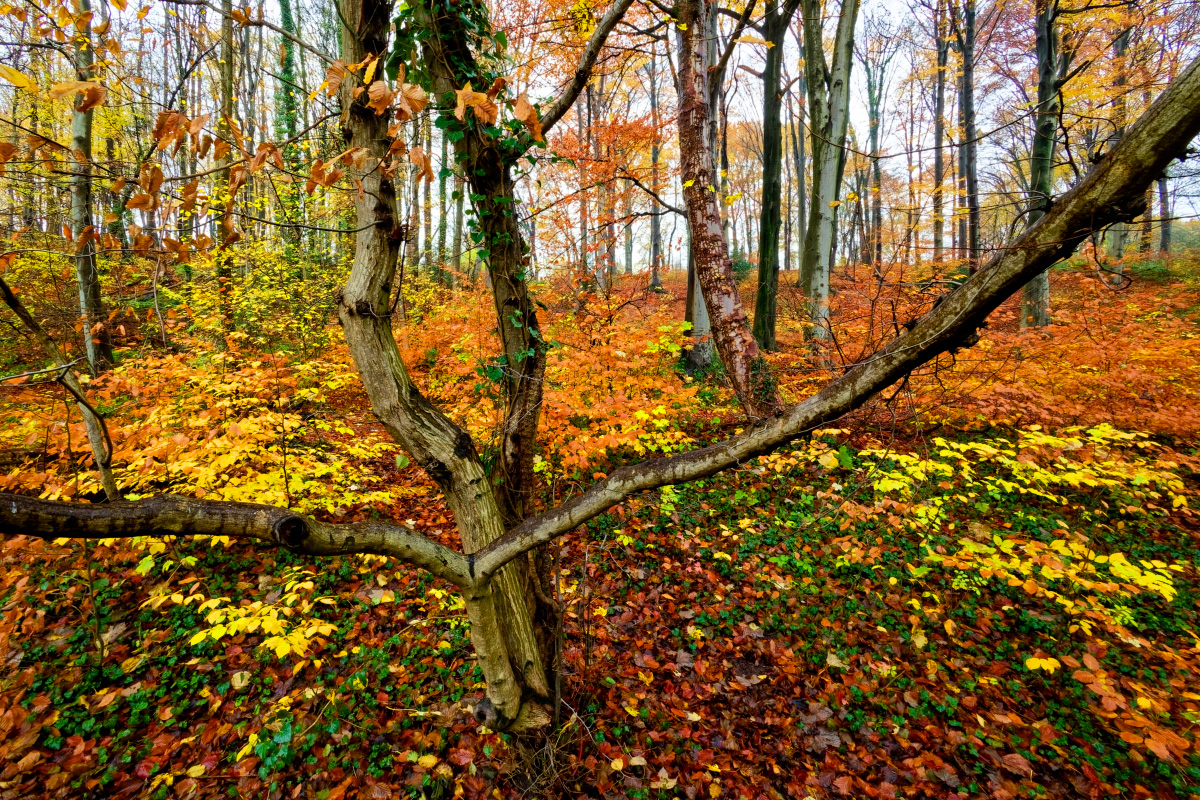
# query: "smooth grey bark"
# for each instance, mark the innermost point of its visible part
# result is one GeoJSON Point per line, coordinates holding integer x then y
{"type": "Point", "coordinates": [942, 45]}
{"type": "Point", "coordinates": [828, 100]}
{"type": "Point", "coordinates": [656, 248]}
{"type": "Point", "coordinates": [1052, 66]}
{"type": "Point", "coordinates": [969, 158]}
{"type": "Point", "coordinates": [96, 340]}
{"type": "Point", "coordinates": [1164, 212]}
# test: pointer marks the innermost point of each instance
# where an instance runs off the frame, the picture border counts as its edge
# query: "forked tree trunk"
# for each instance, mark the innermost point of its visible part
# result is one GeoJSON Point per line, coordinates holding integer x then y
{"type": "Point", "coordinates": [501, 625]}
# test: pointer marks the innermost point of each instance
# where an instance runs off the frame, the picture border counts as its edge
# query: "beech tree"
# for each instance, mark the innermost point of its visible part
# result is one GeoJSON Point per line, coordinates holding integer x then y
{"type": "Point", "coordinates": [502, 568]}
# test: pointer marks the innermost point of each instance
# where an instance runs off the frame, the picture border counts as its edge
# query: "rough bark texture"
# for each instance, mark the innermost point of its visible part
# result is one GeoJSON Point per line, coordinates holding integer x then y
{"type": "Point", "coordinates": [744, 365]}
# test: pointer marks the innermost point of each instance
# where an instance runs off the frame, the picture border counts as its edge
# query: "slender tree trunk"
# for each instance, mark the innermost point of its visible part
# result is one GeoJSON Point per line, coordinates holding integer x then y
{"type": "Point", "coordinates": [798, 157]}
{"type": "Point", "coordinates": [427, 208]}
{"type": "Point", "coordinates": [970, 147]}
{"type": "Point", "coordinates": [1164, 211]}
{"type": "Point", "coordinates": [223, 258]}
{"type": "Point", "coordinates": [939, 132]}
{"type": "Point", "coordinates": [1035, 305]}
{"type": "Point", "coordinates": [656, 248]}
{"type": "Point", "coordinates": [97, 343]}
{"type": "Point", "coordinates": [829, 98]}
{"type": "Point", "coordinates": [778, 20]}
{"type": "Point", "coordinates": [744, 364]}
{"type": "Point", "coordinates": [441, 225]}
{"type": "Point", "coordinates": [460, 193]}
{"type": "Point", "coordinates": [628, 231]}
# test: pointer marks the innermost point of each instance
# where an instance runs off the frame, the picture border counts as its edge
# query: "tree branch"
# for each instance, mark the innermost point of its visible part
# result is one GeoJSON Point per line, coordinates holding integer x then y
{"type": "Point", "coordinates": [587, 60]}
{"type": "Point", "coordinates": [717, 73]}
{"type": "Point", "coordinates": [182, 516]}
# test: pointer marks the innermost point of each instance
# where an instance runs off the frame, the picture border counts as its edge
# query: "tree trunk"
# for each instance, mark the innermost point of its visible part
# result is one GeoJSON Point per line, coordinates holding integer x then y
{"type": "Point", "coordinates": [829, 98]}
{"type": "Point", "coordinates": [1164, 211]}
{"type": "Point", "coordinates": [441, 226]}
{"type": "Point", "coordinates": [223, 258]}
{"type": "Point", "coordinates": [939, 132]}
{"type": "Point", "coordinates": [970, 147]}
{"type": "Point", "coordinates": [1035, 306]}
{"type": "Point", "coordinates": [778, 20]}
{"type": "Point", "coordinates": [97, 344]}
{"type": "Point", "coordinates": [656, 247]}
{"type": "Point", "coordinates": [744, 365]}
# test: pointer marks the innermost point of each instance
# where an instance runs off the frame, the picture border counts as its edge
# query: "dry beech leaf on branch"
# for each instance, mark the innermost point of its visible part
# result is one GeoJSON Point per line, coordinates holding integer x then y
{"type": "Point", "coordinates": [334, 76]}
{"type": "Point", "coordinates": [497, 87]}
{"type": "Point", "coordinates": [380, 97]}
{"type": "Point", "coordinates": [424, 166]}
{"type": "Point", "coordinates": [526, 114]}
{"type": "Point", "coordinates": [480, 104]}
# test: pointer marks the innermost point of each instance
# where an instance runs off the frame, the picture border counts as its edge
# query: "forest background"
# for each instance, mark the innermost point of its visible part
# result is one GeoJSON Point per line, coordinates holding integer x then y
{"type": "Point", "coordinates": [981, 582]}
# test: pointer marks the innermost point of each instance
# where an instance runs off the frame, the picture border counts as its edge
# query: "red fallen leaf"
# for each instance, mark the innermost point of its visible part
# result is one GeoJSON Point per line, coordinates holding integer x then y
{"type": "Point", "coordinates": [461, 757]}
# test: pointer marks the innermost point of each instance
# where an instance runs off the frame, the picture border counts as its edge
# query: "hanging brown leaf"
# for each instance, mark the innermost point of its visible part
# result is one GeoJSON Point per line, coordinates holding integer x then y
{"type": "Point", "coordinates": [415, 96]}
{"type": "Point", "coordinates": [102, 28]}
{"type": "Point", "coordinates": [150, 178]}
{"type": "Point", "coordinates": [119, 184]}
{"type": "Point", "coordinates": [237, 178]}
{"type": "Point", "coordinates": [355, 156]}
{"type": "Point", "coordinates": [527, 115]}
{"type": "Point", "coordinates": [92, 96]}
{"type": "Point", "coordinates": [142, 244]}
{"type": "Point", "coordinates": [86, 237]}
{"type": "Point", "coordinates": [140, 202]}
{"type": "Point", "coordinates": [60, 90]}
{"type": "Point", "coordinates": [205, 144]}
{"type": "Point", "coordinates": [424, 166]}
{"type": "Point", "coordinates": [334, 76]}
{"type": "Point", "coordinates": [497, 87]}
{"type": "Point", "coordinates": [221, 149]}
{"type": "Point", "coordinates": [196, 126]}
{"type": "Point", "coordinates": [240, 17]}
{"type": "Point", "coordinates": [381, 97]}
{"type": "Point", "coordinates": [7, 151]}
{"type": "Point", "coordinates": [190, 191]}
{"type": "Point", "coordinates": [316, 176]}
{"type": "Point", "coordinates": [480, 104]}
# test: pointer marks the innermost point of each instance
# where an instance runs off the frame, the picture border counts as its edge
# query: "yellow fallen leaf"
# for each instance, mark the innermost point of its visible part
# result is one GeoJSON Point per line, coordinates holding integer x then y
{"type": "Point", "coordinates": [427, 761]}
{"type": "Point", "coordinates": [196, 771]}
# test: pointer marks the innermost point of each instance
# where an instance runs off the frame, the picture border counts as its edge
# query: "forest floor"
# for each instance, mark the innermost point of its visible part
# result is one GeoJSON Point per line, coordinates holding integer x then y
{"type": "Point", "coordinates": [984, 584]}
